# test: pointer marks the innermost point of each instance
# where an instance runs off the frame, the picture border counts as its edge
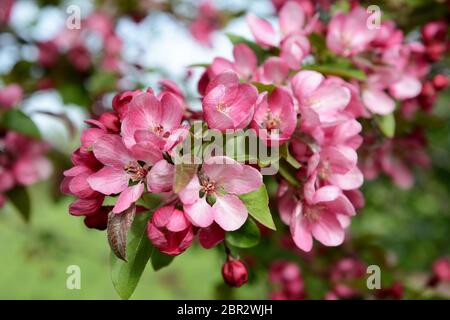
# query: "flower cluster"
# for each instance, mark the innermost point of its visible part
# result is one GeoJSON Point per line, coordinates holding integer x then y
{"type": "Point", "coordinates": [308, 101]}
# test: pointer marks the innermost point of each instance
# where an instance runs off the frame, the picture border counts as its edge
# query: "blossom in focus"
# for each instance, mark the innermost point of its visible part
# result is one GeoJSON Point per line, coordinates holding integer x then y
{"type": "Point", "coordinates": [212, 195]}
{"type": "Point", "coordinates": [229, 104]}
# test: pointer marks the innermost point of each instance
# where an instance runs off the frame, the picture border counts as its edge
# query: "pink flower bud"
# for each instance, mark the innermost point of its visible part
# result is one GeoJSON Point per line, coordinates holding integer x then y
{"type": "Point", "coordinates": [440, 81]}
{"type": "Point", "coordinates": [10, 96]}
{"type": "Point", "coordinates": [441, 269]}
{"type": "Point", "coordinates": [234, 273]}
{"type": "Point", "coordinates": [170, 231]}
{"type": "Point", "coordinates": [111, 121]}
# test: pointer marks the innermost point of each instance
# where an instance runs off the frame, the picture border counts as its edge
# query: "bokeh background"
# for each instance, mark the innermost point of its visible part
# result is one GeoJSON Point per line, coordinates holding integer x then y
{"type": "Point", "coordinates": [410, 227]}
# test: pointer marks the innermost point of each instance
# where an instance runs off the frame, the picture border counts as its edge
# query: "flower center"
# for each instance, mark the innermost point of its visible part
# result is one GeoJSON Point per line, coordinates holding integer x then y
{"type": "Point", "coordinates": [222, 106]}
{"type": "Point", "coordinates": [159, 131]}
{"type": "Point", "coordinates": [324, 169]}
{"type": "Point", "coordinates": [272, 123]}
{"type": "Point", "coordinates": [312, 212]}
{"type": "Point", "coordinates": [135, 171]}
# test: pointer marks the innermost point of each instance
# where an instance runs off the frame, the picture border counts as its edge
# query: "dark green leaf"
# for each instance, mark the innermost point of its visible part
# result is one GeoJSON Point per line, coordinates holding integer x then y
{"type": "Point", "coordinates": [21, 200]}
{"type": "Point", "coordinates": [16, 120]}
{"type": "Point", "coordinates": [125, 275]}
{"type": "Point", "coordinates": [246, 237]}
{"type": "Point", "coordinates": [288, 172]}
{"type": "Point", "coordinates": [102, 82]}
{"type": "Point", "coordinates": [257, 204]}
{"type": "Point", "coordinates": [160, 260]}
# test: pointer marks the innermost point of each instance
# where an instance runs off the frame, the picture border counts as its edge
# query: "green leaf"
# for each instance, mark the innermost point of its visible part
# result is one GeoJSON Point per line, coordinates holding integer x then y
{"type": "Point", "coordinates": [284, 151]}
{"type": "Point", "coordinates": [160, 260]}
{"type": "Point", "coordinates": [386, 124]}
{"type": "Point", "coordinates": [257, 204]}
{"type": "Point", "coordinates": [199, 65]}
{"type": "Point", "coordinates": [344, 71]}
{"type": "Point", "coordinates": [18, 121]}
{"type": "Point", "coordinates": [260, 53]}
{"type": "Point", "coordinates": [21, 200]}
{"type": "Point", "coordinates": [125, 275]}
{"type": "Point", "coordinates": [288, 173]}
{"type": "Point", "coordinates": [102, 82]}
{"type": "Point", "coordinates": [246, 237]}
{"type": "Point", "coordinates": [262, 87]}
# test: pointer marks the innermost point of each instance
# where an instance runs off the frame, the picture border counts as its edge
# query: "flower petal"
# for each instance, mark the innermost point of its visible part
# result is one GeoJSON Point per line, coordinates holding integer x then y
{"type": "Point", "coordinates": [229, 212]}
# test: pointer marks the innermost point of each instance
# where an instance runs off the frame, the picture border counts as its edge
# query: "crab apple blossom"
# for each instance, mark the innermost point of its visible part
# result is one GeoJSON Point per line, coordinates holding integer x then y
{"type": "Point", "coordinates": [275, 114]}
{"type": "Point", "coordinates": [170, 231]}
{"type": "Point", "coordinates": [227, 103]}
{"type": "Point", "coordinates": [221, 180]}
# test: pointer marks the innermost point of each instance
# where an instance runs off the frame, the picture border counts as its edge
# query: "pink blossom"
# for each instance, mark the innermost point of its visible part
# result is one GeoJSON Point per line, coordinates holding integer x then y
{"type": "Point", "coordinates": [244, 64]}
{"type": "Point", "coordinates": [124, 172]}
{"type": "Point", "coordinates": [153, 121]}
{"type": "Point", "coordinates": [170, 231]}
{"type": "Point", "coordinates": [5, 11]}
{"type": "Point", "coordinates": [221, 180]}
{"type": "Point", "coordinates": [211, 236]}
{"type": "Point", "coordinates": [348, 34]}
{"type": "Point", "coordinates": [229, 104]}
{"type": "Point", "coordinates": [320, 102]}
{"type": "Point", "coordinates": [275, 117]}
{"type": "Point", "coordinates": [10, 96]}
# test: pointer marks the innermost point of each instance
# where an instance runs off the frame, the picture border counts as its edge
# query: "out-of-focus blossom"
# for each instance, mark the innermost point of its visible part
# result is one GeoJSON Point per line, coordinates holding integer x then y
{"type": "Point", "coordinates": [10, 96]}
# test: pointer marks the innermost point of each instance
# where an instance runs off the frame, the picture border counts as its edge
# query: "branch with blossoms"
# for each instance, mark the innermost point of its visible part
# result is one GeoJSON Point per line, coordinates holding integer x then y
{"type": "Point", "coordinates": [332, 102]}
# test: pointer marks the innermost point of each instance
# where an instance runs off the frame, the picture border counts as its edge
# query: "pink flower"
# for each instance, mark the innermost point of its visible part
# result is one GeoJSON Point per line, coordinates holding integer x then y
{"type": "Point", "coordinates": [318, 216]}
{"type": "Point", "coordinates": [244, 64]}
{"type": "Point", "coordinates": [170, 231]}
{"type": "Point", "coordinates": [206, 22]}
{"type": "Point", "coordinates": [124, 172]}
{"type": "Point", "coordinates": [122, 100]}
{"type": "Point", "coordinates": [337, 166]}
{"type": "Point", "coordinates": [10, 96]}
{"type": "Point", "coordinates": [348, 34]}
{"type": "Point", "coordinates": [320, 102]}
{"type": "Point", "coordinates": [220, 181]}
{"type": "Point", "coordinates": [292, 21]}
{"type": "Point", "coordinates": [287, 276]}
{"type": "Point", "coordinates": [229, 104]}
{"type": "Point", "coordinates": [211, 236]}
{"type": "Point", "coordinates": [153, 121]}
{"type": "Point", "coordinates": [441, 269]}
{"type": "Point", "coordinates": [275, 114]}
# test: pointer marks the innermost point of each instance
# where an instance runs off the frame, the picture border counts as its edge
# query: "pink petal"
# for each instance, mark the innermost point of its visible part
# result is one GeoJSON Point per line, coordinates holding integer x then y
{"type": "Point", "coordinates": [300, 230]}
{"type": "Point", "coordinates": [190, 194]}
{"type": "Point", "coordinates": [304, 83]}
{"type": "Point", "coordinates": [172, 112]}
{"type": "Point", "coordinates": [109, 180]}
{"type": "Point", "coordinates": [326, 194]}
{"type": "Point", "coordinates": [262, 30]}
{"type": "Point", "coordinates": [378, 101]}
{"type": "Point", "coordinates": [348, 181]}
{"type": "Point", "coordinates": [147, 152]}
{"type": "Point", "coordinates": [244, 60]}
{"type": "Point", "coordinates": [81, 207]}
{"type": "Point", "coordinates": [127, 197]}
{"type": "Point", "coordinates": [79, 186]}
{"type": "Point", "coordinates": [160, 178]}
{"type": "Point", "coordinates": [110, 150]}
{"type": "Point", "coordinates": [328, 230]}
{"type": "Point", "coordinates": [200, 213]}
{"type": "Point", "coordinates": [221, 168]}
{"type": "Point", "coordinates": [292, 18]}
{"type": "Point", "coordinates": [229, 212]}
{"type": "Point", "coordinates": [247, 181]}
{"type": "Point", "coordinates": [211, 236]}
{"type": "Point", "coordinates": [275, 70]}
{"type": "Point", "coordinates": [406, 88]}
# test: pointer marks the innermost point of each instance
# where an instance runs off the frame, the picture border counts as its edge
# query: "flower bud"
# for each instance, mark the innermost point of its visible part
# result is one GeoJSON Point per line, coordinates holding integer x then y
{"type": "Point", "coordinates": [440, 81]}
{"type": "Point", "coordinates": [441, 269]}
{"type": "Point", "coordinates": [111, 121]}
{"type": "Point", "coordinates": [234, 273]}
{"type": "Point", "coordinates": [170, 231]}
